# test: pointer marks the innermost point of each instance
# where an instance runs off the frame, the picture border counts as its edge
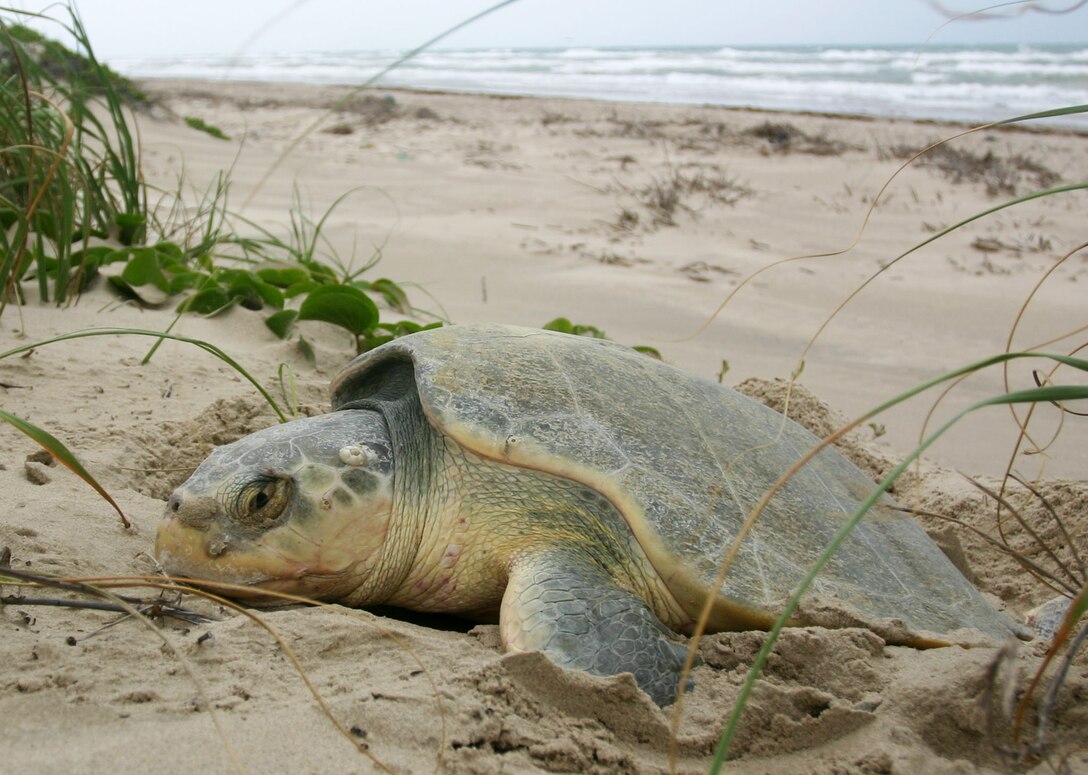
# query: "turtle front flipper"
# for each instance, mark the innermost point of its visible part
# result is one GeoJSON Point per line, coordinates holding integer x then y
{"type": "Point", "coordinates": [568, 607]}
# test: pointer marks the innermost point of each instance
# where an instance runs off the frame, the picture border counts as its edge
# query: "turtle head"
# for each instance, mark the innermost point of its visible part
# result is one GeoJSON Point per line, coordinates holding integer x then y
{"type": "Point", "coordinates": [302, 507]}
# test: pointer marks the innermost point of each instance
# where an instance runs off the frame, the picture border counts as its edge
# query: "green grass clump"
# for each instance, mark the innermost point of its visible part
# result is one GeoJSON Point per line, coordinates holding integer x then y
{"type": "Point", "coordinates": [74, 205]}
{"type": "Point", "coordinates": [69, 173]}
{"type": "Point", "coordinates": [60, 63]}
{"type": "Point", "coordinates": [199, 124]}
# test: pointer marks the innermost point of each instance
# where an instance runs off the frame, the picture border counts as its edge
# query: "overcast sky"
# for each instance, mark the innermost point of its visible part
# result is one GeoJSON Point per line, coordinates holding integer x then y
{"type": "Point", "coordinates": [164, 27]}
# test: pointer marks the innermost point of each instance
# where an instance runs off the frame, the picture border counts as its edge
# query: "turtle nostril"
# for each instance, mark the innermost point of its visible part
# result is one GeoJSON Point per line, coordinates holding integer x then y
{"type": "Point", "coordinates": [191, 510]}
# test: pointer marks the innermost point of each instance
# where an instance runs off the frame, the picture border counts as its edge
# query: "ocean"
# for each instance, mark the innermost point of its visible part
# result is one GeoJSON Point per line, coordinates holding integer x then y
{"type": "Point", "coordinates": [976, 83]}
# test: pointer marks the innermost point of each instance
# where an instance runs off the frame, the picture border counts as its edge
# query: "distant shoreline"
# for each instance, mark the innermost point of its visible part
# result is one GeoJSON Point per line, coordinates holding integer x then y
{"type": "Point", "coordinates": [945, 83]}
{"type": "Point", "coordinates": [307, 95]}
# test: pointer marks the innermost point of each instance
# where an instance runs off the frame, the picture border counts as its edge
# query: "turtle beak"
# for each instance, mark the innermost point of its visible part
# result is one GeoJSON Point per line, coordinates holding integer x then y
{"type": "Point", "coordinates": [198, 542]}
{"type": "Point", "coordinates": [191, 532]}
{"type": "Point", "coordinates": [192, 543]}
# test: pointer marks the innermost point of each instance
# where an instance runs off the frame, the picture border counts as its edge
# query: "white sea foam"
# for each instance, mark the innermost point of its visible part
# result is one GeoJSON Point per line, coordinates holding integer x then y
{"type": "Point", "coordinates": [974, 84]}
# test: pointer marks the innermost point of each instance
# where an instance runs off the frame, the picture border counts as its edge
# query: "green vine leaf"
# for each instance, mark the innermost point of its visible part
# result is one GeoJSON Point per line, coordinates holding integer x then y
{"type": "Point", "coordinates": [341, 305]}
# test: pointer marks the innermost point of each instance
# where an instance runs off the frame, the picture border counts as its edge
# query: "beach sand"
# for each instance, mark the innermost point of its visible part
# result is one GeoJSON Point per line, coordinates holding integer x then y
{"type": "Point", "coordinates": [522, 210]}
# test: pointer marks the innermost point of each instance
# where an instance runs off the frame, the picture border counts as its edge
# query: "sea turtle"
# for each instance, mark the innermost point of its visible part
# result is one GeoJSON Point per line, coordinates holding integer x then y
{"type": "Point", "coordinates": [580, 491]}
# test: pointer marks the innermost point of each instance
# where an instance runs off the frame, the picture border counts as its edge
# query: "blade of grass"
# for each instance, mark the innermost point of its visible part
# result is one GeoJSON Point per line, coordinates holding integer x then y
{"type": "Point", "coordinates": [206, 346]}
{"type": "Point", "coordinates": [58, 450]}
{"type": "Point", "coordinates": [1056, 684]}
{"type": "Point", "coordinates": [1076, 611]}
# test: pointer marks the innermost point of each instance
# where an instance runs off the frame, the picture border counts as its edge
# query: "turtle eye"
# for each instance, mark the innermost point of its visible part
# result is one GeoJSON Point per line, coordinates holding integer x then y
{"type": "Point", "coordinates": [263, 502]}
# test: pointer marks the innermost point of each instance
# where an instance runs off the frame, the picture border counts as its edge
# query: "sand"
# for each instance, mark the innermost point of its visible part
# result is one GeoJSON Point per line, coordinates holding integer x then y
{"type": "Point", "coordinates": [521, 211]}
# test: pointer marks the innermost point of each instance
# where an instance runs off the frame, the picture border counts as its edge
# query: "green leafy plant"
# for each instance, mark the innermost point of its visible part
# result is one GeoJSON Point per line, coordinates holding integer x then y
{"type": "Point", "coordinates": [347, 307]}
{"type": "Point", "coordinates": [564, 326]}
{"type": "Point", "coordinates": [305, 266]}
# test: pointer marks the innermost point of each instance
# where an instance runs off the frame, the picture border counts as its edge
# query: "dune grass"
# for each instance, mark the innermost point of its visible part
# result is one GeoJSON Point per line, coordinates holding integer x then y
{"type": "Point", "coordinates": [74, 205]}
{"type": "Point", "coordinates": [67, 174]}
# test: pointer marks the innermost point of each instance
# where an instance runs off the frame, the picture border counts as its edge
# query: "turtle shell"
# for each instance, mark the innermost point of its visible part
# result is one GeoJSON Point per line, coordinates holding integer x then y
{"type": "Point", "coordinates": [685, 460]}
